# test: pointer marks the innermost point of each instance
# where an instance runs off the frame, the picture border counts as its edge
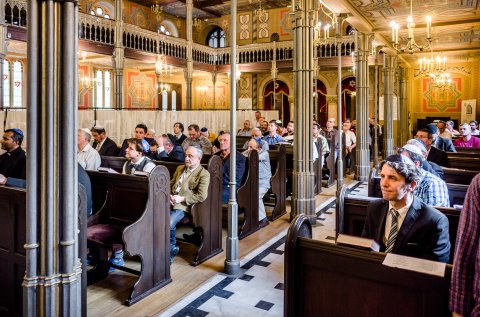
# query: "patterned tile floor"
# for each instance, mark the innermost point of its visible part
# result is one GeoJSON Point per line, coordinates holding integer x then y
{"type": "Point", "coordinates": [259, 290]}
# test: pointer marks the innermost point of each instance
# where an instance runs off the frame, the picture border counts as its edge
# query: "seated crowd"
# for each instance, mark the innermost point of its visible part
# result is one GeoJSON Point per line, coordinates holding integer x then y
{"type": "Point", "coordinates": [412, 182]}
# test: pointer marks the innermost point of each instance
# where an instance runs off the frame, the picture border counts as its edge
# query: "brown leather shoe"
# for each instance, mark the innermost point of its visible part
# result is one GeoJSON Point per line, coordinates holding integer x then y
{"type": "Point", "coordinates": [263, 223]}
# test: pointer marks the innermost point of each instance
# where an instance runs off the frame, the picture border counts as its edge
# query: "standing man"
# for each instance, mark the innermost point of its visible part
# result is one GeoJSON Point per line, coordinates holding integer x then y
{"type": "Point", "coordinates": [189, 186]}
{"type": "Point", "coordinates": [103, 144]}
{"type": "Point", "coordinates": [195, 138]}
{"type": "Point", "coordinates": [258, 115]}
{"type": "Point", "coordinates": [320, 141]}
{"type": "Point", "coordinates": [87, 156]}
{"type": "Point", "coordinates": [350, 144]}
{"type": "Point", "coordinates": [402, 223]}
{"type": "Point", "coordinates": [178, 133]}
{"type": "Point", "coordinates": [466, 139]}
{"type": "Point", "coordinates": [465, 286]}
{"type": "Point", "coordinates": [13, 161]}
{"type": "Point", "coordinates": [224, 154]}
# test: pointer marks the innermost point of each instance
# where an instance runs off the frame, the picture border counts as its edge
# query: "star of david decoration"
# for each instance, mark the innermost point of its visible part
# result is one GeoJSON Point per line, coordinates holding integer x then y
{"type": "Point", "coordinates": [441, 99]}
{"type": "Point", "coordinates": [352, 83]}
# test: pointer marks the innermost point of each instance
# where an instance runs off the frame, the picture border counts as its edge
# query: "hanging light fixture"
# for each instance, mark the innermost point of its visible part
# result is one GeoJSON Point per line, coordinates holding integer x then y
{"type": "Point", "coordinates": [196, 23]}
{"type": "Point", "coordinates": [411, 44]}
{"type": "Point", "coordinates": [157, 10]}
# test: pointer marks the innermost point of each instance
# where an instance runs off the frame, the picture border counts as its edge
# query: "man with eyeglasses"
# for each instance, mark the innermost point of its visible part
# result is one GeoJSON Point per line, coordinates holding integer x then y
{"type": "Point", "coordinates": [433, 154]}
{"type": "Point", "coordinates": [13, 161]}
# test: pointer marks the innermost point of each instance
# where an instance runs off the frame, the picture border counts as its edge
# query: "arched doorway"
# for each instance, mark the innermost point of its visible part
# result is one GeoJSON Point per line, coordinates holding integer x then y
{"type": "Point", "coordinates": [280, 102]}
{"type": "Point", "coordinates": [321, 99]}
{"type": "Point", "coordinates": [349, 88]}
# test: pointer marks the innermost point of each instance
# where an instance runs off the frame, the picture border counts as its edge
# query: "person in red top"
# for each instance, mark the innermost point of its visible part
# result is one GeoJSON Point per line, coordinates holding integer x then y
{"type": "Point", "coordinates": [466, 139]}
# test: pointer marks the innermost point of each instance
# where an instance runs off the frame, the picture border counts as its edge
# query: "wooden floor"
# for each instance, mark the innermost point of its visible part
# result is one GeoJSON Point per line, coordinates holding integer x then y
{"type": "Point", "coordinates": [106, 297]}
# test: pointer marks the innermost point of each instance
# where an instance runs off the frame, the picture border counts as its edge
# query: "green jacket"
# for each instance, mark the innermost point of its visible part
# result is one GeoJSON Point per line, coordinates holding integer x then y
{"type": "Point", "coordinates": [194, 188]}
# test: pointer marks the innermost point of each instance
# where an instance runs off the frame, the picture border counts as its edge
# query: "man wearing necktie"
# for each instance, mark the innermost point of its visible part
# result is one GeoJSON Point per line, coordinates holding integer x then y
{"type": "Point", "coordinates": [189, 186]}
{"type": "Point", "coordinates": [402, 223]}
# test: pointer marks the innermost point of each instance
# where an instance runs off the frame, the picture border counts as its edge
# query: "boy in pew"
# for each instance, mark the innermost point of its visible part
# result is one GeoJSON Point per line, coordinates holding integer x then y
{"type": "Point", "coordinates": [402, 223]}
{"type": "Point", "coordinates": [189, 185]}
{"type": "Point", "coordinates": [137, 162]}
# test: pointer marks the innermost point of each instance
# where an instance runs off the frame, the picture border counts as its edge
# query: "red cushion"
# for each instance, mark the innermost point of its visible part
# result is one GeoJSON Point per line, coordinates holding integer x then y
{"type": "Point", "coordinates": [106, 235]}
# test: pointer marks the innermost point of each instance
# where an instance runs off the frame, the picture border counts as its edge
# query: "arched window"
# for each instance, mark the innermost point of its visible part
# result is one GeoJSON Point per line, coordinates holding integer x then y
{"type": "Point", "coordinates": [100, 12]}
{"type": "Point", "coordinates": [12, 84]}
{"type": "Point", "coordinates": [164, 100]}
{"type": "Point", "coordinates": [216, 38]}
{"type": "Point", "coordinates": [103, 89]}
{"type": "Point", "coordinates": [164, 30]}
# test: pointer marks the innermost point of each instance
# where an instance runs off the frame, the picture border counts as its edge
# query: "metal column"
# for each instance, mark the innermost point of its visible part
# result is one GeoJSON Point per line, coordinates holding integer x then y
{"type": "Point", "coordinates": [232, 262]}
{"type": "Point", "coordinates": [389, 81]}
{"type": "Point", "coordinates": [118, 59]}
{"type": "Point", "coordinates": [303, 200]}
{"type": "Point", "coordinates": [362, 105]}
{"type": "Point", "coordinates": [404, 120]}
{"type": "Point", "coordinates": [53, 271]}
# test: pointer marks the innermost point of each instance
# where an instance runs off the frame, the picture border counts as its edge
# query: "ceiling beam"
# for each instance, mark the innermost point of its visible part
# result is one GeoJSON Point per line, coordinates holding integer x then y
{"type": "Point", "coordinates": [465, 23]}
{"type": "Point", "coordinates": [201, 5]}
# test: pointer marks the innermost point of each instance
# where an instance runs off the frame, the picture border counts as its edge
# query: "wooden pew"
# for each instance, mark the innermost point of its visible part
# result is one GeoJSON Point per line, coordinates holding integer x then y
{"type": "Point", "coordinates": [113, 162]}
{"type": "Point", "coordinates": [463, 161]}
{"type": "Point", "coordinates": [132, 213]}
{"type": "Point", "coordinates": [277, 183]}
{"type": "Point", "coordinates": [207, 215]}
{"type": "Point", "coordinates": [247, 197]}
{"type": "Point", "coordinates": [351, 212]}
{"type": "Point", "coordinates": [456, 192]}
{"type": "Point", "coordinates": [12, 248]}
{"type": "Point", "coordinates": [240, 141]}
{"type": "Point", "coordinates": [459, 176]}
{"type": "Point", "coordinates": [323, 279]}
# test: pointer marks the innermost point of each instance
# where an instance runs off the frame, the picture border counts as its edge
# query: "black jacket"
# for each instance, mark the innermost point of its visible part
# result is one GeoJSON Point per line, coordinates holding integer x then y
{"type": "Point", "coordinates": [437, 156]}
{"type": "Point", "coordinates": [109, 147]}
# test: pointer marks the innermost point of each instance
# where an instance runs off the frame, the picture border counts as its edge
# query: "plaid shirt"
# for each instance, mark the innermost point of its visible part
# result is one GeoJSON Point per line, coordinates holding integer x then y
{"type": "Point", "coordinates": [432, 190]}
{"type": "Point", "coordinates": [465, 286]}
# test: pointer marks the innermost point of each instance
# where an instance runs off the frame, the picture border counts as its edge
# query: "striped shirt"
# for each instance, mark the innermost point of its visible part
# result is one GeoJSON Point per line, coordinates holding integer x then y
{"type": "Point", "coordinates": [432, 190]}
{"type": "Point", "coordinates": [465, 286]}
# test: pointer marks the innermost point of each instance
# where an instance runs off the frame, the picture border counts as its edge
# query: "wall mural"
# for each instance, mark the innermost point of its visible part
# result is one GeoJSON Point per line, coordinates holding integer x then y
{"type": "Point", "coordinates": [244, 26]}
{"type": "Point", "coordinates": [286, 22]}
{"type": "Point", "coordinates": [141, 90]}
{"type": "Point", "coordinates": [263, 21]}
{"type": "Point", "coordinates": [442, 99]}
{"type": "Point", "coordinates": [139, 15]}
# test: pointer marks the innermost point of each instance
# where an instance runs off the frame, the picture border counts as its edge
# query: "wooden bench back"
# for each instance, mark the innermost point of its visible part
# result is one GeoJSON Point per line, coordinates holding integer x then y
{"type": "Point", "coordinates": [278, 180]}
{"type": "Point", "coordinates": [459, 176]}
{"type": "Point", "coordinates": [351, 212]}
{"type": "Point", "coordinates": [323, 279]}
{"type": "Point", "coordinates": [140, 205]}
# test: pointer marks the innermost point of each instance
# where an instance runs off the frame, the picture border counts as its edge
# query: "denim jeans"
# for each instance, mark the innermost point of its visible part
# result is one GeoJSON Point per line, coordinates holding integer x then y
{"type": "Point", "coordinates": [176, 215]}
{"type": "Point", "coordinates": [261, 207]}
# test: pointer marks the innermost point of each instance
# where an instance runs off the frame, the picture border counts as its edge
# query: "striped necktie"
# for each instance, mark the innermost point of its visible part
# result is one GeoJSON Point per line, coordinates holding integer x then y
{"type": "Point", "coordinates": [393, 231]}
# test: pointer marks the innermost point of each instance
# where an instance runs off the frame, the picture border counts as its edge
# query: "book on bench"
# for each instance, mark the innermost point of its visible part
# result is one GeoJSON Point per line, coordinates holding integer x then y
{"type": "Point", "coordinates": [357, 242]}
{"type": "Point", "coordinates": [107, 170]}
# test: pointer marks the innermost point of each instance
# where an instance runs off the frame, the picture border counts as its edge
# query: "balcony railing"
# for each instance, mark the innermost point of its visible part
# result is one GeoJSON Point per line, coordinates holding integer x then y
{"type": "Point", "coordinates": [100, 30]}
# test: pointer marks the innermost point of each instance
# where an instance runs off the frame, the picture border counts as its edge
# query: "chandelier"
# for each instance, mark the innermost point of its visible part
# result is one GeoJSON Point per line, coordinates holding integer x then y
{"type": "Point", "coordinates": [411, 44]}
{"type": "Point", "coordinates": [196, 23]}
{"type": "Point", "coordinates": [157, 10]}
{"type": "Point", "coordinates": [432, 65]}
{"type": "Point", "coordinates": [260, 12]}
{"type": "Point", "coordinates": [441, 80]}
{"type": "Point", "coordinates": [161, 67]}
{"type": "Point", "coordinates": [88, 82]}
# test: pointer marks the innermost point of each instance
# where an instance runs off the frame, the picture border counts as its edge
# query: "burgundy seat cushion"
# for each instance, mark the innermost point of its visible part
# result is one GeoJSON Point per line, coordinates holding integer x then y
{"type": "Point", "coordinates": [106, 235]}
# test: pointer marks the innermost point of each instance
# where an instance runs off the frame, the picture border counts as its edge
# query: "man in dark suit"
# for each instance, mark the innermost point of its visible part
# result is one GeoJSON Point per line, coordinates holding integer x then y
{"type": "Point", "coordinates": [440, 143]}
{"type": "Point", "coordinates": [140, 133]}
{"type": "Point", "coordinates": [400, 222]}
{"type": "Point", "coordinates": [178, 129]}
{"type": "Point", "coordinates": [103, 144]}
{"type": "Point", "coordinates": [434, 155]}
{"type": "Point", "coordinates": [168, 150]}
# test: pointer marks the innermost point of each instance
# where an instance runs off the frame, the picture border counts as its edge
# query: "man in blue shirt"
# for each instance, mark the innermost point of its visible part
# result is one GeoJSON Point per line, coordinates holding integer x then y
{"type": "Point", "coordinates": [272, 137]}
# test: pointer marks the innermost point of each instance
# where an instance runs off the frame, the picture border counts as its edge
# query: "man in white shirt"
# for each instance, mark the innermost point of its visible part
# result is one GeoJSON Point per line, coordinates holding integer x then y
{"type": "Point", "coordinates": [87, 156]}
{"type": "Point", "coordinates": [350, 144]}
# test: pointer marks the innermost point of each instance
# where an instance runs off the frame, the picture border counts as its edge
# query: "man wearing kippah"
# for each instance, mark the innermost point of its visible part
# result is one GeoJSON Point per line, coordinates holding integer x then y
{"type": "Point", "coordinates": [13, 161]}
{"type": "Point", "coordinates": [402, 223]}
